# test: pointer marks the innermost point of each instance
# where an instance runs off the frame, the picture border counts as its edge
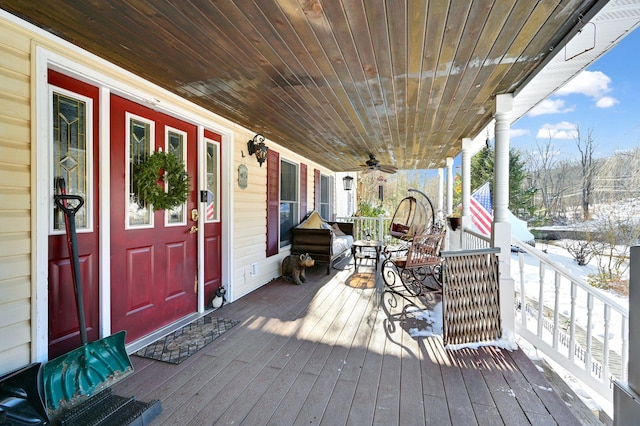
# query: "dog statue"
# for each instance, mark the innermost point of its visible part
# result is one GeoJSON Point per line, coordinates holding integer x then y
{"type": "Point", "coordinates": [293, 267]}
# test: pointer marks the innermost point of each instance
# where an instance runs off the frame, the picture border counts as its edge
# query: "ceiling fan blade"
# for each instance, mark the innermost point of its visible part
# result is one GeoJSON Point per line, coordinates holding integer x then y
{"type": "Point", "coordinates": [387, 169]}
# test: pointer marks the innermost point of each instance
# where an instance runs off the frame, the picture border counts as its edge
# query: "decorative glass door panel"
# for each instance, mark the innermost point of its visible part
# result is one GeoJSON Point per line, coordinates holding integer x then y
{"type": "Point", "coordinates": [140, 136]}
{"type": "Point", "coordinates": [176, 145]}
{"type": "Point", "coordinates": [213, 188]}
{"type": "Point", "coordinates": [71, 158]}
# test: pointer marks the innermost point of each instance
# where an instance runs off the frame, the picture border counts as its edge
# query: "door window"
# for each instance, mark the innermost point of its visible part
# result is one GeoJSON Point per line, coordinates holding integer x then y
{"type": "Point", "coordinates": [139, 145]}
{"type": "Point", "coordinates": [213, 185]}
{"type": "Point", "coordinates": [176, 143]}
{"type": "Point", "coordinates": [72, 155]}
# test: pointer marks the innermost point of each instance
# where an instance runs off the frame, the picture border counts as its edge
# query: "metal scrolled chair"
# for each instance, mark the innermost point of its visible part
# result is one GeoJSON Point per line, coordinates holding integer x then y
{"type": "Point", "coordinates": [406, 269]}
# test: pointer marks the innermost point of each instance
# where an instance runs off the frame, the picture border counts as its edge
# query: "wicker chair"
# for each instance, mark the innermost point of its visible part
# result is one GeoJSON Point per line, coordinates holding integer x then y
{"type": "Point", "coordinates": [414, 269]}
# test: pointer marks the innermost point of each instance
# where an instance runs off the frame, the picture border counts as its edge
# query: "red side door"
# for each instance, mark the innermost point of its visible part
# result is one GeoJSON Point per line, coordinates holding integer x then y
{"type": "Point", "coordinates": [153, 253]}
{"type": "Point", "coordinates": [212, 219]}
{"type": "Point", "coordinates": [74, 157]}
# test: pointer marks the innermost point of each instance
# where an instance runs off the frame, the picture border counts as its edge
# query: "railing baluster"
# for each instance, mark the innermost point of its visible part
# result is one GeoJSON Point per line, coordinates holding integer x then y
{"type": "Point", "coordinates": [625, 349]}
{"type": "Point", "coordinates": [541, 300]}
{"type": "Point", "coordinates": [523, 297]}
{"type": "Point", "coordinates": [556, 310]}
{"type": "Point", "coordinates": [589, 332]}
{"type": "Point", "coordinates": [572, 325]}
{"type": "Point", "coordinates": [605, 338]}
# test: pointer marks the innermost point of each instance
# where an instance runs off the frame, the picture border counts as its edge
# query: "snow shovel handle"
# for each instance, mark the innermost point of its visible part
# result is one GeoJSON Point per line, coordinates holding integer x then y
{"type": "Point", "coordinates": [72, 242]}
{"type": "Point", "coordinates": [61, 201]}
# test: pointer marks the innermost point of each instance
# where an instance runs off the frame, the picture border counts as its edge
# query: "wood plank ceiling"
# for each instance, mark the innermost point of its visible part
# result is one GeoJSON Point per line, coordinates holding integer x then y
{"type": "Point", "coordinates": [332, 80]}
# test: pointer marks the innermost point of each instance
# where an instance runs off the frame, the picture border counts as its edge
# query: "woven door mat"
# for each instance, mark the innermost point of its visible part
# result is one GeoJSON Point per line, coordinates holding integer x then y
{"type": "Point", "coordinates": [181, 344]}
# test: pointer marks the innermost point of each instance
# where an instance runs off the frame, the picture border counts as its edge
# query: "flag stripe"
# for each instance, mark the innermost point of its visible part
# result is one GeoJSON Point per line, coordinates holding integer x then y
{"type": "Point", "coordinates": [480, 206]}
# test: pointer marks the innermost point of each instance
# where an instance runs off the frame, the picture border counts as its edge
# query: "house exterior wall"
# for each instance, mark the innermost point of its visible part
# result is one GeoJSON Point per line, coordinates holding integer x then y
{"type": "Point", "coordinates": [16, 290]}
{"type": "Point", "coordinates": [22, 282]}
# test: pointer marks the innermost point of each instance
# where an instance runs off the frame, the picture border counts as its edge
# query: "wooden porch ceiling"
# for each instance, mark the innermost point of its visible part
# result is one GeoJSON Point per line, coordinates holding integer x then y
{"type": "Point", "coordinates": [332, 80]}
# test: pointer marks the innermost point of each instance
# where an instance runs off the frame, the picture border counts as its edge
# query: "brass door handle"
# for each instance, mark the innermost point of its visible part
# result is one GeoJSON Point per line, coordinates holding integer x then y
{"type": "Point", "coordinates": [193, 230]}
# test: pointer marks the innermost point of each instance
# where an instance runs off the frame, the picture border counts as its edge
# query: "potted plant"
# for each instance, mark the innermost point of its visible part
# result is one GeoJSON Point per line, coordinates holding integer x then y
{"type": "Point", "coordinates": [455, 220]}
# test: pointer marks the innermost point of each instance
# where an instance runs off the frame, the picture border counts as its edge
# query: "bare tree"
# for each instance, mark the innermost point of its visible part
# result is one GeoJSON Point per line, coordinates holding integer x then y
{"type": "Point", "coordinates": [543, 170]}
{"type": "Point", "coordinates": [586, 146]}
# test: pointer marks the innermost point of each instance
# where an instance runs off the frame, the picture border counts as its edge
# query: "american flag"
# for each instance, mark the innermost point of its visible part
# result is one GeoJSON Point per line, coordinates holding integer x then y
{"type": "Point", "coordinates": [480, 205]}
{"type": "Point", "coordinates": [210, 210]}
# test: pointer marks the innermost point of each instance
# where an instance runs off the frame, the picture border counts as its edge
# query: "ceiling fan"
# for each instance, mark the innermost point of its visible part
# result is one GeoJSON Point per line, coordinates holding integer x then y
{"type": "Point", "coordinates": [372, 164]}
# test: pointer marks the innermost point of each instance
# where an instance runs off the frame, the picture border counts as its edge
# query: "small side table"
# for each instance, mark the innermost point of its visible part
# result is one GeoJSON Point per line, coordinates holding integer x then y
{"type": "Point", "coordinates": [359, 254]}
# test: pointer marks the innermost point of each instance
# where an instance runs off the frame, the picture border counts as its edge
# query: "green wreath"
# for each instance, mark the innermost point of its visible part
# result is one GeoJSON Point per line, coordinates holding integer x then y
{"type": "Point", "coordinates": [148, 173]}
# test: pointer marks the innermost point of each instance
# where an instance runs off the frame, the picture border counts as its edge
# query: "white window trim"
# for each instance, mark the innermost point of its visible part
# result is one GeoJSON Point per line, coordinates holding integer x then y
{"type": "Point", "coordinates": [297, 192]}
{"type": "Point", "coordinates": [329, 195]}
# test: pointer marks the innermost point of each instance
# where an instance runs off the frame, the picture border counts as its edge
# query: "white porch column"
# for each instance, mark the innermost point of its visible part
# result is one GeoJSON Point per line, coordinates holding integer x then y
{"type": "Point", "coordinates": [466, 182]}
{"type": "Point", "coordinates": [440, 213]}
{"type": "Point", "coordinates": [501, 228]}
{"type": "Point", "coordinates": [626, 396]}
{"type": "Point", "coordinates": [449, 166]}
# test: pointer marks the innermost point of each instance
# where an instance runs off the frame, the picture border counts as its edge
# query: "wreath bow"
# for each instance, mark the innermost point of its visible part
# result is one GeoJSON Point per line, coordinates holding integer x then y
{"type": "Point", "coordinates": [165, 167]}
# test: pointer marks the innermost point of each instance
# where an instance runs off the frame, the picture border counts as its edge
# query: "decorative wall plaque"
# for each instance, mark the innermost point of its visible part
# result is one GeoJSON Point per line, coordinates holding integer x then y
{"type": "Point", "coordinates": [243, 176]}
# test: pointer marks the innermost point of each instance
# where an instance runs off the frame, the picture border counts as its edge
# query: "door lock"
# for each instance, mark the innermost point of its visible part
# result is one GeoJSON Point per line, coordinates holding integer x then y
{"type": "Point", "coordinates": [195, 215]}
{"type": "Point", "coordinates": [193, 230]}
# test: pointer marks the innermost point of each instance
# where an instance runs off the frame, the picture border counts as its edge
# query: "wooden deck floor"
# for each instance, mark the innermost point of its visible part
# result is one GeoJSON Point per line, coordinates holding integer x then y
{"type": "Point", "coordinates": [334, 352]}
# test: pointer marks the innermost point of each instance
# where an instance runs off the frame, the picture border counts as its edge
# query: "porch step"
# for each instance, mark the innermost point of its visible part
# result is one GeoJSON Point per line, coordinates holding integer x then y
{"type": "Point", "coordinates": [105, 408]}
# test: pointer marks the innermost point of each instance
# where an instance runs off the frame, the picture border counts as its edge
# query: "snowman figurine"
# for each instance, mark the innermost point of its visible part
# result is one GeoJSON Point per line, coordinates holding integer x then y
{"type": "Point", "coordinates": [218, 298]}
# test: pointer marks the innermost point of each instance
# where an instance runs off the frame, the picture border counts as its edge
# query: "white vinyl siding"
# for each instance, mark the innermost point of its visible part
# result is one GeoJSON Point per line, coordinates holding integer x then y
{"type": "Point", "coordinates": [15, 200]}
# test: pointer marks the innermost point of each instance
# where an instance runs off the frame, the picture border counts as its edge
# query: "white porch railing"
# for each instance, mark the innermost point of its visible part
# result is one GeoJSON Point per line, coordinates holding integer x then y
{"type": "Point", "coordinates": [579, 327]}
{"type": "Point", "coordinates": [378, 227]}
{"type": "Point", "coordinates": [474, 240]}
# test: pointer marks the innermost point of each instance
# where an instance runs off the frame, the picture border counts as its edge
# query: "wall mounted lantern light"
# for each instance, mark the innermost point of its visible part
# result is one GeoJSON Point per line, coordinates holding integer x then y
{"type": "Point", "coordinates": [347, 183]}
{"type": "Point", "coordinates": [256, 146]}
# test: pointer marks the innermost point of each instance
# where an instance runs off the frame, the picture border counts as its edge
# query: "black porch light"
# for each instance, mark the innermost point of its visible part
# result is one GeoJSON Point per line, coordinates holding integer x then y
{"type": "Point", "coordinates": [347, 183]}
{"type": "Point", "coordinates": [256, 146]}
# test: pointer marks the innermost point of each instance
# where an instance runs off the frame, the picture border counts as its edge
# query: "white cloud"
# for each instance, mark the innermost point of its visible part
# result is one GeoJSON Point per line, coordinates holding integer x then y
{"type": "Point", "coordinates": [594, 84]}
{"type": "Point", "coordinates": [550, 106]}
{"type": "Point", "coordinates": [606, 102]}
{"type": "Point", "coordinates": [563, 130]}
{"type": "Point", "coordinates": [514, 133]}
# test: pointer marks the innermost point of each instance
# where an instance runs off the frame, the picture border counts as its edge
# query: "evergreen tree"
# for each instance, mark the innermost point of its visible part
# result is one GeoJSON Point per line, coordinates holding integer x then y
{"type": "Point", "coordinates": [482, 165]}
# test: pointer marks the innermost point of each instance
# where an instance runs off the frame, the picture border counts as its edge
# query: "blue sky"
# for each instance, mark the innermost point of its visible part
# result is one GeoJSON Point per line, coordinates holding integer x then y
{"type": "Point", "coordinates": [605, 98]}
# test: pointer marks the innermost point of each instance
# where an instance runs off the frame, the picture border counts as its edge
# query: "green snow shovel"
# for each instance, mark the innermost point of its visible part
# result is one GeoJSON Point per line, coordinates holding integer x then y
{"type": "Point", "coordinates": [75, 376]}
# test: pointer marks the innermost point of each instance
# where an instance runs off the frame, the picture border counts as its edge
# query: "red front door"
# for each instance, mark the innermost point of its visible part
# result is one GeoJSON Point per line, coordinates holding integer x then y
{"type": "Point", "coordinates": [153, 253]}
{"type": "Point", "coordinates": [74, 157]}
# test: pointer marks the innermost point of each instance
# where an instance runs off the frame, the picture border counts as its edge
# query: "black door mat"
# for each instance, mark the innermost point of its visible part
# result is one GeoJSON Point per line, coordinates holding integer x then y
{"type": "Point", "coordinates": [105, 408]}
{"type": "Point", "coordinates": [181, 344]}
